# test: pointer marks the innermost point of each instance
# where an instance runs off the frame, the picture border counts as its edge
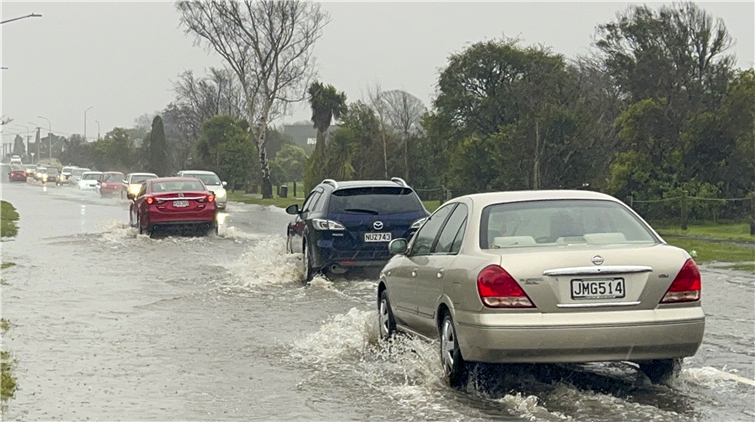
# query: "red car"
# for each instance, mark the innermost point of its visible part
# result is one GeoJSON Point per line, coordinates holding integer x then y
{"type": "Point", "coordinates": [110, 183]}
{"type": "Point", "coordinates": [17, 175]}
{"type": "Point", "coordinates": [173, 203]}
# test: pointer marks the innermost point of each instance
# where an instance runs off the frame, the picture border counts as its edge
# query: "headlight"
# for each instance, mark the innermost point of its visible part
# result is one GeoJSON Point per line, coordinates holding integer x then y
{"type": "Point", "coordinates": [220, 193]}
{"type": "Point", "coordinates": [134, 189]}
{"type": "Point", "coordinates": [417, 224]}
{"type": "Point", "coordinates": [321, 224]}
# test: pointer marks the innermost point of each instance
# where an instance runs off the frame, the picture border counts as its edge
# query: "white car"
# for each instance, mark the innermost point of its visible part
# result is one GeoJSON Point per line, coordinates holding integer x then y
{"type": "Point", "coordinates": [76, 174]}
{"type": "Point", "coordinates": [88, 180]}
{"type": "Point", "coordinates": [134, 181]}
{"type": "Point", "coordinates": [15, 159]}
{"type": "Point", "coordinates": [213, 183]}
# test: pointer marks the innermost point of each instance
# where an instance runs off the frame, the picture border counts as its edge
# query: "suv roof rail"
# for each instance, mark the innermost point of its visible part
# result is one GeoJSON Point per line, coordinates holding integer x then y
{"type": "Point", "coordinates": [400, 181]}
{"type": "Point", "coordinates": [331, 182]}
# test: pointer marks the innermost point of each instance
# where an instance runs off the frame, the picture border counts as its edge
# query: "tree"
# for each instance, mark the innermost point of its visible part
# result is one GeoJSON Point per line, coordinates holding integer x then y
{"type": "Point", "coordinates": [18, 146]}
{"type": "Point", "coordinates": [158, 149]}
{"type": "Point", "coordinates": [268, 45]}
{"type": "Point", "coordinates": [291, 159]}
{"type": "Point", "coordinates": [326, 103]}
{"type": "Point", "coordinates": [224, 149]}
{"type": "Point", "coordinates": [403, 111]}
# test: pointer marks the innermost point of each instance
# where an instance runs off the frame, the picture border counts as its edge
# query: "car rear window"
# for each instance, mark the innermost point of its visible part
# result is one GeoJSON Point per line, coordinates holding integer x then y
{"type": "Point", "coordinates": [113, 177]}
{"type": "Point", "coordinates": [179, 186]}
{"type": "Point", "coordinates": [560, 222]}
{"type": "Point", "coordinates": [141, 177]}
{"type": "Point", "coordinates": [91, 176]}
{"type": "Point", "coordinates": [374, 201]}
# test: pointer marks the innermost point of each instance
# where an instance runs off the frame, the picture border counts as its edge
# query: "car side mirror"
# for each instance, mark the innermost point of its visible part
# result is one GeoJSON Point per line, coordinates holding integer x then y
{"type": "Point", "coordinates": [293, 209]}
{"type": "Point", "coordinates": [398, 246]}
{"type": "Point", "coordinates": [130, 196]}
{"type": "Point", "coordinates": [225, 184]}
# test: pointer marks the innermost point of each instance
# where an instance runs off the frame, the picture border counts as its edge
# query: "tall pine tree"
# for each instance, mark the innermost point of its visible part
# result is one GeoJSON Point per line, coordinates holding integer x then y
{"type": "Point", "coordinates": [158, 162]}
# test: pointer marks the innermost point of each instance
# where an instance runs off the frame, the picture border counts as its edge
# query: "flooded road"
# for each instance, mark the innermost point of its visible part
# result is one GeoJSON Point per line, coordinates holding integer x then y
{"type": "Point", "coordinates": [110, 325]}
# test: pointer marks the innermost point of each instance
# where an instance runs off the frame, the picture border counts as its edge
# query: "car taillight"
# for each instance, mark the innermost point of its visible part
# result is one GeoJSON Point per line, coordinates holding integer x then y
{"type": "Point", "coordinates": [104, 185]}
{"type": "Point", "coordinates": [150, 200]}
{"type": "Point", "coordinates": [686, 286]}
{"type": "Point", "coordinates": [498, 289]}
{"type": "Point", "coordinates": [210, 198]}
{"type": "Point", "coordinates": [321, 224]}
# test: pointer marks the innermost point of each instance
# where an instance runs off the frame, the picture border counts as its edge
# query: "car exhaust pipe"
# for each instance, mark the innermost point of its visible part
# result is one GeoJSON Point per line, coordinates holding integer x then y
{"type": "Point", "coordinates": [337, 269]}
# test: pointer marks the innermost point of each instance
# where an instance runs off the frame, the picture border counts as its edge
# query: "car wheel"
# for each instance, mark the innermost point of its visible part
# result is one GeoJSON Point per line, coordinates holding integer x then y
{"type": "Point", "coordinates": [662, 370]}
{"type": "Point", "coordinates": [453, 363]}
{"type": "Point", "coordinates": [131, 218]}
{"type": "Point", "coordinates": [289, 247]}
{"type": "Point", "coordinates": [139, 224]}
{"type": "Point", "coordinates": [308, 272]}
{"type": "Point", "coordinates": [385, 317]}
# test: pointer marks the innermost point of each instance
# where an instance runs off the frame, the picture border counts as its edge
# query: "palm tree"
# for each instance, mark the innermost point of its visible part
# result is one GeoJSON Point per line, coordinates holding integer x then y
{"type": "Point", "coordinates": [326, 103]}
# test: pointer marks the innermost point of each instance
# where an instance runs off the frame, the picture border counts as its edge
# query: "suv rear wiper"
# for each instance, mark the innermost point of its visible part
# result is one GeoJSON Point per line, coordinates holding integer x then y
{"type": "Point", "coordinates": [361, 211]}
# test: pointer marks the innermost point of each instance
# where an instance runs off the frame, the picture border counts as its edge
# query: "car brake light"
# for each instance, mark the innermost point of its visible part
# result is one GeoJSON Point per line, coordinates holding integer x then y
{"type": "Point", "coordinates": [210, 198]}
{"type": "Point", "coordinates": [686, 286]}
{"type": "Point", "coordinates": [320, 224]}
{"type": "Point", "coordinates": [150, 200]}
{"type": "Point", "coordinates": [498, 289]}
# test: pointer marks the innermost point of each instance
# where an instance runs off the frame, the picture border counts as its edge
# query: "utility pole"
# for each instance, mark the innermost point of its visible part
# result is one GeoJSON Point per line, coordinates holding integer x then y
{"type": "Point", "coordinates": [98, 129]}
{"type": "Point", "coordinates": [85, 123]}
{"type": "Point", "coordinates": [49, 134]}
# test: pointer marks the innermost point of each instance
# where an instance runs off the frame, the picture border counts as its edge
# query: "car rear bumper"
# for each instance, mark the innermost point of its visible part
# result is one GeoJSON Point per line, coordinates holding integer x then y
{"type": "Point", "coordinates": [369, 258]}
{"type": "Point", "coordinates": [553, 338]}
{"type": "Point", "coordinates": [187, 217]}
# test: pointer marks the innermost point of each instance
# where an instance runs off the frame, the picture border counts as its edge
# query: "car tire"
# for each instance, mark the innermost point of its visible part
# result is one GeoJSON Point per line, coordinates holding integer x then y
{"type": "Point", "coordinates": [289, 247]}
{"type": "Point", "coordinates": [662, 370]}
{"type": "Point", "coordinates": [386, 322]}
{"type": "Point", "coordinates": [131, 218]}
{"type": "Point", "coordinates": [139, 224]}
{"type": "Point", "coordinates": [453, 363]}
{"type": "Point", "coordinates": [212, 231]}
{"type": "Point", "coordinates": [307, 264]}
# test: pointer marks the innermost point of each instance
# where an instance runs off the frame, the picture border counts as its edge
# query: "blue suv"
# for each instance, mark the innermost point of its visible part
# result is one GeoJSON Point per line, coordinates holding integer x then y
{"type": "Point", "coordinates": [343, 225]}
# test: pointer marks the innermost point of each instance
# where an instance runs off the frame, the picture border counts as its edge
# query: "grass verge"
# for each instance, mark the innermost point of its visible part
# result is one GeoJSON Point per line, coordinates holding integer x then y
{"type": "Point", "coordinates": [712, 230]}
{"type": "Point", "coordinates": [277, 202]}
{"type": "Point", "coordinates": [5, 265]}
{"type": "Point", "coordinates": [8, 218]}
{"type": "Point", "coordinates": [741, 258]}
{"type": "Point", "coordinates": [7, 381]}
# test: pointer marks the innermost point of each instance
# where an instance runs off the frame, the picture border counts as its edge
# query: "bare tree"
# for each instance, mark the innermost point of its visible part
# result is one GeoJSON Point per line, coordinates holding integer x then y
{"type": "Point", "coordinates": [268, 45]}
{"type": "Point", "coordinates": [377, 102]}
{"type": "Point", "coordinates": [403, 111]}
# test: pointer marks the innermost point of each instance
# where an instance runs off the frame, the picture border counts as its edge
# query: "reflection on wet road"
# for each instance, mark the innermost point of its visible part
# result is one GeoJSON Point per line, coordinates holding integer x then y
{"type": "Point", "coordinates": [107, 324]}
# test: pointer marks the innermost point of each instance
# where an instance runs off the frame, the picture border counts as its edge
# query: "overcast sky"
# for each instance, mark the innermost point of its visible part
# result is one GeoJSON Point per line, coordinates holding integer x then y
{"type": "Point", "coordinates": [121, 58]}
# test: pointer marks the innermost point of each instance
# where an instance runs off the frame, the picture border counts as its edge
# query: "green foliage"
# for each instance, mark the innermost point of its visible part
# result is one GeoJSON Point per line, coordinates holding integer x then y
{"type": "Point", "coordinates": [7, 380]}
{"type": "Point", "coordinates": [8, 218]}
{"type": "Point", "coordinates": [327, 103]}
{"type": "Point", "coordinates": [158, 161]}
{"type": "Point", "coordinates": [291, 160]}
{"type": "Point", "coordinates": [114, 152]}
{"type": "Point", "coordinates": [224, 148]}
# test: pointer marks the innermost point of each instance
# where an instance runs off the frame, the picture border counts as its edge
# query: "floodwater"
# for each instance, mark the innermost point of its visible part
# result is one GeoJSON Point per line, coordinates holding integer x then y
{"type": "Point", "coordinates": [110, 325]}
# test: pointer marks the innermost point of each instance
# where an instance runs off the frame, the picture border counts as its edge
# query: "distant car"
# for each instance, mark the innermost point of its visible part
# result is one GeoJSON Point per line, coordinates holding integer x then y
{"type": "Point", "coordinates": [64, 176]}
{"type": "Point", "coordinates": [543, 277]}
{"type": "Point", "coordinates": [213, 183]}
{"type": "Point", "coordinates": [110, 183]}
{"type": "Point", "coordinates": [17, 174]}
{"type": "Point", "coordinates": [50, 174]}
{"type": "Point", "coordinates": [89, 180]}
{"type": "Point", "coordinates": [39, 171]}
{"type": "Point", "coordinates": [173, 203]}
{"type": "Point", "coordinates": [133, 183]}
{"type": "Point", "coordinates": [76, 174]}
{"type": "Point", "coordinates": [30, 169]}
{"type": "Point", "coordinates": [15, 159]}
{"type": "Point", "coordinates": [345, 225]}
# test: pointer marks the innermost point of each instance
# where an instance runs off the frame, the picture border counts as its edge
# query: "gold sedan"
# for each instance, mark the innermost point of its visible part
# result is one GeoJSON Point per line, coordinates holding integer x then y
{"type": "Point", "coordinates": [543, 277]}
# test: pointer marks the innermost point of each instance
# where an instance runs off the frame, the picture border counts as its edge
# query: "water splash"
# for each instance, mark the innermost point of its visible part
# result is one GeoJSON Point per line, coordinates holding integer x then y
{"type": "Point", "coordinates": [265, 264]}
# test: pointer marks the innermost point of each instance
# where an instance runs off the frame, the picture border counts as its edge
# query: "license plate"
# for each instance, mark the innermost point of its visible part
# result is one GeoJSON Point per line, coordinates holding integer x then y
{"type": "Point", "coordinates": [180, 204]}
{"type": "Point", "coordinates": [377, 237]}
{"type": "Point", "coordinates": [612, 288]}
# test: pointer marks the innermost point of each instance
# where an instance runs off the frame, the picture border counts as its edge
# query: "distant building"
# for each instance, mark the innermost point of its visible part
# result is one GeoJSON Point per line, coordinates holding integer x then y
{"type": "Point", "coordinates": [304, 135]}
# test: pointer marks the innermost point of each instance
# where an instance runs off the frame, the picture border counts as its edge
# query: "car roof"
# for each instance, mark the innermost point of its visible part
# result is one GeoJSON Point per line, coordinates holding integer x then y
{"type": "Point", "coordinates": [172, 179]}
{"type": "Point", "coordinates": [97, 172]}
{"type": "Point", "coordinates": [363, 184]}
{"type": "Point", "coordinates": [142, 174]}
{"type": "Point", "coordinates": [113, 172]}
{"type": "Point", "coordinates": [535, 195]}
{"type": "Point", "coordinates": [197, 172]}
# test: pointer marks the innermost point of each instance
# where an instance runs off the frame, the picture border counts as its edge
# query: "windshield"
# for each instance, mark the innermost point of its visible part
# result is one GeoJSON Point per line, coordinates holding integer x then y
{"type": "Point", "coordinates": [142, 177]}
{"type": "Point", "coordinates": [374, 201]}
{"type": "Point", "coordinates": [560, 222]}
{"type": "Point", "coordinates": [179, 186]}
{"type": "Point", "coordinates": [113, 177]}
{"type": "Point", "coordinates": [91, 176]}
{"type": "Point", "coordinates": [52, 171]}
{"type": "Point", "coordinates": [207, 179]}
{"type": "Point", "coordinates": [77, 172]}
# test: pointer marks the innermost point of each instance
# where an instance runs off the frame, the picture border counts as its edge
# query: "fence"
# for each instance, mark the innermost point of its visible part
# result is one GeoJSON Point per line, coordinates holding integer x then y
{"type": "Point", "coordinates": [684, 208]}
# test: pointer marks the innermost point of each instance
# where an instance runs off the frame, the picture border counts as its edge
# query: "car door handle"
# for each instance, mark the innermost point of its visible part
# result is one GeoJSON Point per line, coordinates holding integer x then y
{"type": "Point", "coordinates": [414, 272]}
{"type": "Point", "coordinates": [440, 273]}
